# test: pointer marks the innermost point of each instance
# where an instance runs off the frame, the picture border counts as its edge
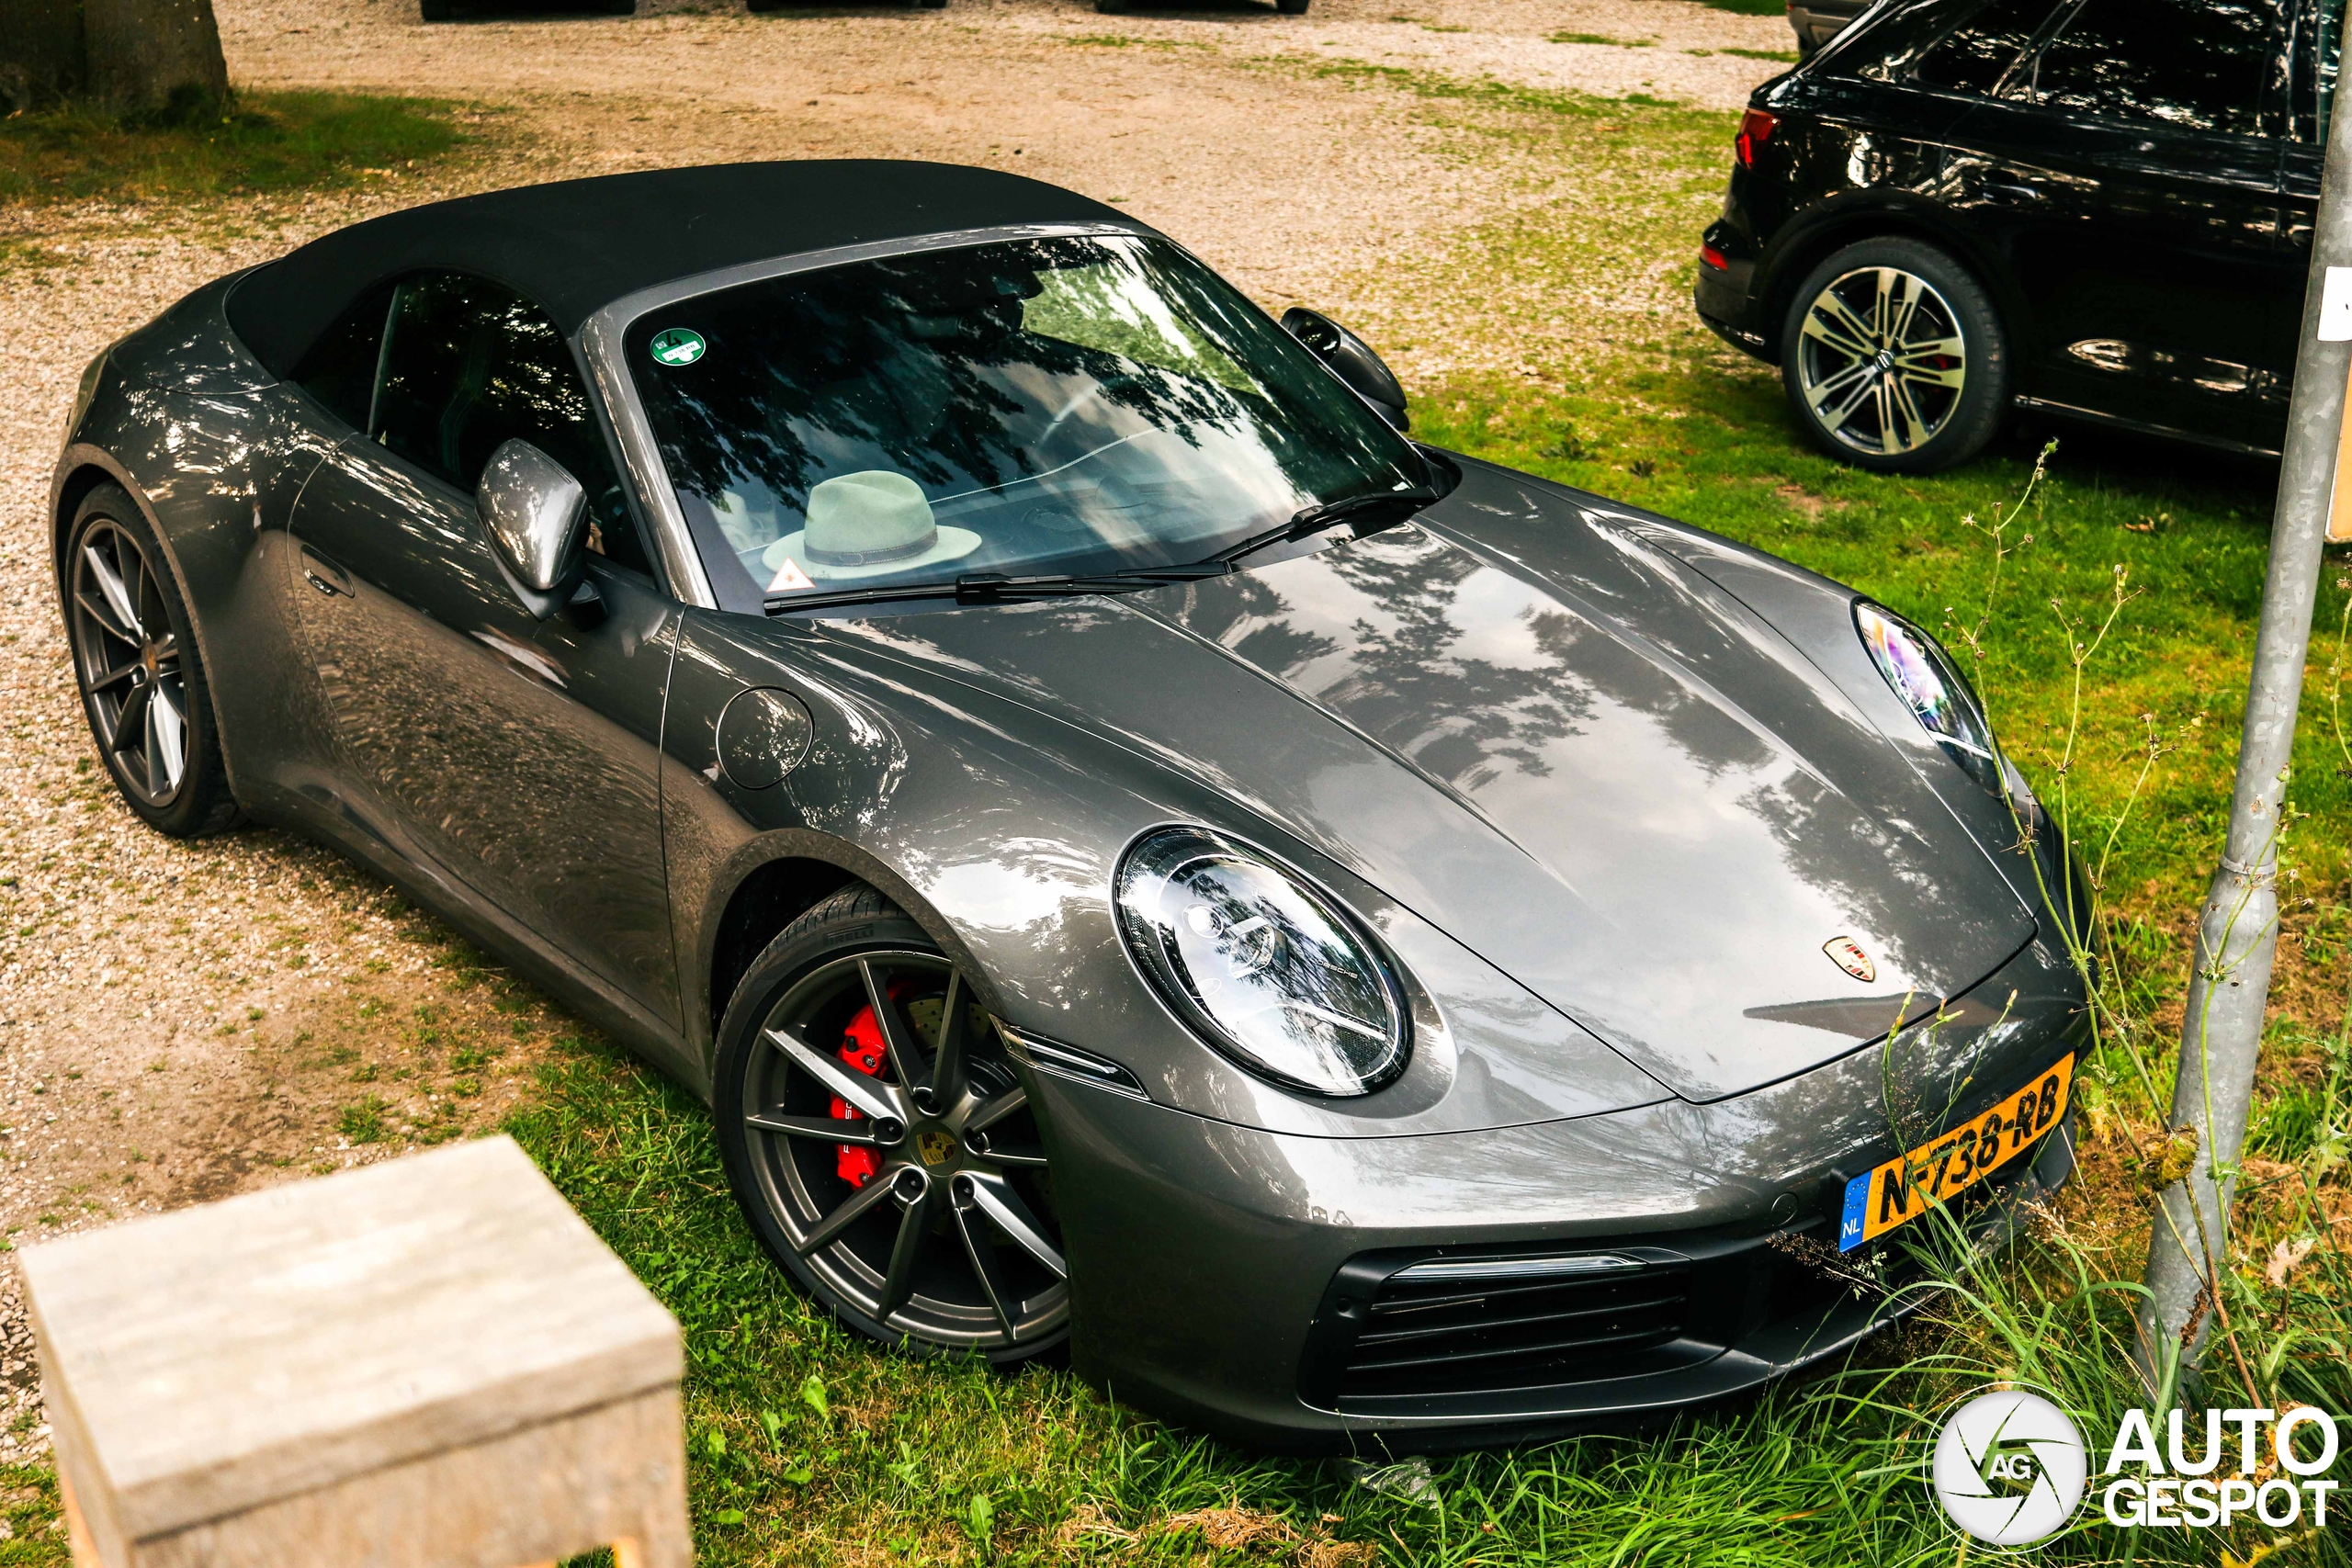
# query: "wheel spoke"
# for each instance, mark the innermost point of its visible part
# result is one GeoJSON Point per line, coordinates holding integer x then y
{"type": "Point", "coordinates": [113, 677]}
{"type": "Point", "coordinates": [1834, 338]}
{"type": "Point", "coordinates": [1901, 296]}
{"type": "Point", "coordinates": [123, 620]}
{"type": "Point", "coordinates": [948, 1061]}
{"type": "Point", "coordinates": [1906, 414]}
{"type": "Point", "coordinates": [1013, 1153]}
{"type": "Point", "coordinates": [823, 1129]}
{"type": "Point", "coordinates": [856, 1206]}
{"type": "Point", "coordinates": [906, 1254]}
{"type": "Point", "coordinates": [167, 740]}
{"type": "Point", "coordinates": [130, 724]}
{"type": "Point", "coordinates": [1930, 376]}
{"type": "Point", "coordinates": [1856, 379]}
{"type": "Point", "coordinates": [101, 612]}
{"type": "Point", "coordinates": [870, 1096]}
{"type": "Point", "coordinates": [982, 1252]}
{"type": "Point", "coordinates": [1833, 323]}
{"type": "Point", "coordinates": [897, 1039]}
{"type": "Point", "coordinates": [994, 1197]}
{"type": "Point", "coordinates": [988, 1112]}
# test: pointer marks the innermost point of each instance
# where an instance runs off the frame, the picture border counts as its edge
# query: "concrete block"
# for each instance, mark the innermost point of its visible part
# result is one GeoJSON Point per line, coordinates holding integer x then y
{"type": "Point", "coordinates": [432, 1361]}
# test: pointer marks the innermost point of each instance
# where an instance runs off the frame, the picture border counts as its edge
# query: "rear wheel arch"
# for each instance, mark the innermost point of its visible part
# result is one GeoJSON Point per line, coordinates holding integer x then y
{"type": "Point", "coordinates": [1795, 257]}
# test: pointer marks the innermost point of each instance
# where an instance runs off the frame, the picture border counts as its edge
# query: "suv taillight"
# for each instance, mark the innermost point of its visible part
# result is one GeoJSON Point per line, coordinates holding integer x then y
{"type": "Point", "coordinates": [1755, 129]}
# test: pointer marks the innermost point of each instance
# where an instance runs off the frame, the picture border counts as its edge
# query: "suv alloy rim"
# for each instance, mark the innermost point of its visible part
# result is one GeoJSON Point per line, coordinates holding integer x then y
{"type": "Point", "coordinates": [944, 1242]}
{"type": "Point", "coordinates": [128, 661]}
{"type": "Point", "coordinates": [1881, 360]}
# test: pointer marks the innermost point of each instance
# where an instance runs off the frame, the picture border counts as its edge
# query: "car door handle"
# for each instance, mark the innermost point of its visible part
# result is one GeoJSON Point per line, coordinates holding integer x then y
{"type": "Point", "coordinates": [2023, 193]}
{"type": "Point", "coordinates": [324, 575]}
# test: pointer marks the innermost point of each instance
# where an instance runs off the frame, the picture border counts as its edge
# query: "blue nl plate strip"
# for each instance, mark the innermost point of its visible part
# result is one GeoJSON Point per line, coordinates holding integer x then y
{"type": "Point", "coordinates": [1849, 1227]}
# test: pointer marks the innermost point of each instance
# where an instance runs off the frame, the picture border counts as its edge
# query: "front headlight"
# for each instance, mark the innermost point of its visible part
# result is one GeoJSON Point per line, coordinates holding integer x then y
{"type": "Point", "coordinates": [1264, 964]}
{"type": "Point", "coordinates": [1924, 675]}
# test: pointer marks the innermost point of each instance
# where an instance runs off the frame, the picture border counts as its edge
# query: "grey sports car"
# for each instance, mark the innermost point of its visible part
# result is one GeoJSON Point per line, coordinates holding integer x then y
{"type": "Point", "coordinates": [1143, 859]}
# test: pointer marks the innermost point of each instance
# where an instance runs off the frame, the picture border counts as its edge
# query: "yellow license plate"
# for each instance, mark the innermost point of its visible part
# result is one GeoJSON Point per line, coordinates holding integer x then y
{"type": "Point", "coordinates": [1905, 1188]}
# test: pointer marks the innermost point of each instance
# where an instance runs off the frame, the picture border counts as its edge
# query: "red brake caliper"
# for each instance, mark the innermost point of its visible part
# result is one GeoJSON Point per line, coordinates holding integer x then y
{"type": "Point", "coordinates": [862, 1049]}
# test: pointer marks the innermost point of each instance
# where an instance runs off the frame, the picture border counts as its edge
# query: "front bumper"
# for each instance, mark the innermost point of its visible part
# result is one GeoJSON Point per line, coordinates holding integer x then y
{"type": "Point", "coordinates": [1220, 1272]}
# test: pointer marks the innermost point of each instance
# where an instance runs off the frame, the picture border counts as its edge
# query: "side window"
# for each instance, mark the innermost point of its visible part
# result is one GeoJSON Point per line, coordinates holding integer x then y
{"type": "Point", "coordinates": [469, 365]}
{"type": "Point", "coordinates": [2191, 65]}
{"type": "Point", "coordinates": [1973, 57]}
{"type": "Point", "coordinates": [340, 369]}
{"type": "Point", "coordinates": [2320, 41]}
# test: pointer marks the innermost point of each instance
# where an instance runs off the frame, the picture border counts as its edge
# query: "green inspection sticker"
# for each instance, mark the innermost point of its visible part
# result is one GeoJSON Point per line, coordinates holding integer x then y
{"type": "Point", "coordinates": [677, 345]}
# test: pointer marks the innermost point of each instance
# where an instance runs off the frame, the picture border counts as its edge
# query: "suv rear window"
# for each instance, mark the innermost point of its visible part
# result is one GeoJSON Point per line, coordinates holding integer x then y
{"type": "Point", "coordinates": [2191, 65]}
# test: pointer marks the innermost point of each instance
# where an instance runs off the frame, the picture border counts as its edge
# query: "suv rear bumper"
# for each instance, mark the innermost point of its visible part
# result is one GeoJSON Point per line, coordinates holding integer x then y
{"type": "Point", "coordinates": [1724, 296]}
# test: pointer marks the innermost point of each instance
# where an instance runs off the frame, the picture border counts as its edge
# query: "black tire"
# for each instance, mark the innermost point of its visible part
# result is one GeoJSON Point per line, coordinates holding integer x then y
{"type": "Point", "coordinates": [134, 648]}
{"type": "Point", "coordinates": [1291, 7]}
{"type": "Point", "coordinates": [1868, 360]}
{"type": "Point", "coordinates": [972, 1283]}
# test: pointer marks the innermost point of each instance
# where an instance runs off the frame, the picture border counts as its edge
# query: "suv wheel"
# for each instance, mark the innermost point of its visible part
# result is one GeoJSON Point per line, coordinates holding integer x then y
{"type": "Point", "coordinates": [1895, 359]}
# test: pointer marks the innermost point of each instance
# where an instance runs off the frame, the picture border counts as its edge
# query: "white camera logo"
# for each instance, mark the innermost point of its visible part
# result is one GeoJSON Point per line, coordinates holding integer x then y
{"type": "Point", "coordinates": [2008, 1468]}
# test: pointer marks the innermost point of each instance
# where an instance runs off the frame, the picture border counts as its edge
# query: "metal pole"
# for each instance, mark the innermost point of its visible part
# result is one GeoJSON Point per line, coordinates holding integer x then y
{"type": "Point", "coordinates": [2238, 928]}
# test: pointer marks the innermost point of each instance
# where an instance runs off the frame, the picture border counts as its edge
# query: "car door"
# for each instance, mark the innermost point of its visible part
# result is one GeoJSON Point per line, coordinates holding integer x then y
{"type": "Point", "coordinates": [2124, 173]}
{"type": "Point", "coordinates": [522, 756]}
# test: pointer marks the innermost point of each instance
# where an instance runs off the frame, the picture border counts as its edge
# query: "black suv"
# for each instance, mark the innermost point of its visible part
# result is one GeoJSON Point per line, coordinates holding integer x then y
{"type": "Point", "coordinates": [2099, 210]}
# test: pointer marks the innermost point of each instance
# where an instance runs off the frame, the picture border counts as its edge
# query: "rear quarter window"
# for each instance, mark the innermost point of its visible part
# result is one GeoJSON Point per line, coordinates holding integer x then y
{"type": "Point", "coordinates": [1973, 57]}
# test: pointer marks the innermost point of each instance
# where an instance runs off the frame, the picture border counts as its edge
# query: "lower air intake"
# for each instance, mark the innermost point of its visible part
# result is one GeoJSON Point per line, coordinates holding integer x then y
{"type": "Point", "coordinates": [1453, 1325]}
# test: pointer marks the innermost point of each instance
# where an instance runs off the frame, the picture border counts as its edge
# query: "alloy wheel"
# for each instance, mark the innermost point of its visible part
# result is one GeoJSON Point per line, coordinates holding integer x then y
{"type": "Point", "coordinates": [918, 1191]}
{"type": "Point", "coordinates": [128, 660]}
{"type": "Point", "coordinates": [1882, 364]}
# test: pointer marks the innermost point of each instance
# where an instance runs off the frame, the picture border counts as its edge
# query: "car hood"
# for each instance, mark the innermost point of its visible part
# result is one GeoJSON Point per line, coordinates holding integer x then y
{"type": "Point", "coordinates": [1560, 745]}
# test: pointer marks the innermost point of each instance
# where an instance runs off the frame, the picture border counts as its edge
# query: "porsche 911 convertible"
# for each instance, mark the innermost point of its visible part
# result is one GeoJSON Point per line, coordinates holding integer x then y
{"type": "Point", "coordinates": [1145, 861]}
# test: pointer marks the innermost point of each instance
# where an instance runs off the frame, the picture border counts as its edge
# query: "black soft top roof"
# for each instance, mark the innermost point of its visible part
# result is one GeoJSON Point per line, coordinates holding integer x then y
{"type": "Point", "coordinates": [577, 245]}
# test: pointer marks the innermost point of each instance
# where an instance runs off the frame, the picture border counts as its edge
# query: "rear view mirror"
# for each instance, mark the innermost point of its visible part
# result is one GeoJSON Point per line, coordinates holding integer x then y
{"type": "Point", "coordinates": [1352, 360]}
{"type": "Point", "coordinates": [538, 517]}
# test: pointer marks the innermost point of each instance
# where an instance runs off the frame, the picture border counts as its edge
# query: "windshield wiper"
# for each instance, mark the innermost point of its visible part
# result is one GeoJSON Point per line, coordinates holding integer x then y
{"type": "Point", "coordinates": [995, 588]}
{"type": "Point", "coordinates": [990, 587]}
{"type": "Point", "coordinates": [1330, 514]}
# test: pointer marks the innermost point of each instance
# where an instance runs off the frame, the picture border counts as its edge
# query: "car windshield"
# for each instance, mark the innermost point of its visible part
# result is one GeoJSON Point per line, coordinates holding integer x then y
{"type": "Point", "coordinates": [1080, 405]}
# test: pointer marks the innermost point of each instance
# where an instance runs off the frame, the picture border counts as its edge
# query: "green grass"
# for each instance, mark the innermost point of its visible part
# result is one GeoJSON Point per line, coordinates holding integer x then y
{"type": "Point", "coordinates": [28, 1503]}
{"type": "Point", "coordinates": [1752, 7]}
{"type": "Point", "coordinates": [264, 143]}
{"type": "Point", "coordinates": [1601, 37]}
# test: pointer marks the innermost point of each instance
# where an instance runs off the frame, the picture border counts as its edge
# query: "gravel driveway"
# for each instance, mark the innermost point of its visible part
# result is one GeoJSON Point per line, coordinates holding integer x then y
{"type": "Point", "coordinates": [182, 1022]}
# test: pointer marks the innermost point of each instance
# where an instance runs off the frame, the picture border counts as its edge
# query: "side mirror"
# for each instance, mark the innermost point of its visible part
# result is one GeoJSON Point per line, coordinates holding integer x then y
{"type": "Point", "coordinates": [1352, 360]}
{"type": "Point", "coordinates": [538, 517]}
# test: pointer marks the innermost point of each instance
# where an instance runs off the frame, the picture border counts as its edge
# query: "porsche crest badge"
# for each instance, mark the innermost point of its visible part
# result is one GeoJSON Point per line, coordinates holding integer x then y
{"type": "Point", "coordinates": [935, 1147]}
{"type": "Point", "coordinates": [1848, 955]}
